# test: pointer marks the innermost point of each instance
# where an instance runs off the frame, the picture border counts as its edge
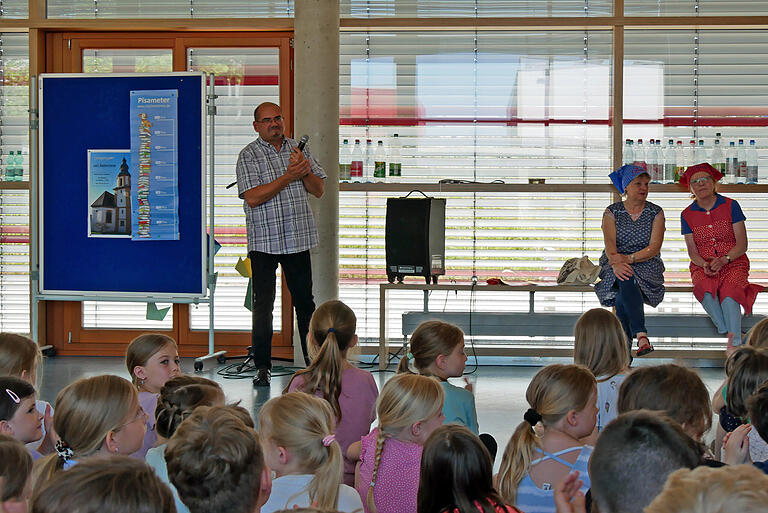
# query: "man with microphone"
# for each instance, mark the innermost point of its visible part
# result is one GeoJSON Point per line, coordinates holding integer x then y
{"type": "Point", "coordinates": [275, 174]}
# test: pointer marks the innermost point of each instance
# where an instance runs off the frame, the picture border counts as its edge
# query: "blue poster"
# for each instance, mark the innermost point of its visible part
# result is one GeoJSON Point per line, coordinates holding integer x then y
{"type": "Point", "coordinates": [154, 151]}
{"type": "Point", "coordinates": [109, 193]}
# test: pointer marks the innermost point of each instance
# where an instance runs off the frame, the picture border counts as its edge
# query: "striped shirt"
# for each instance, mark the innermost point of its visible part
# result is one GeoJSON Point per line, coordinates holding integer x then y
{"type": "Point", "coordinates": [284, 224]}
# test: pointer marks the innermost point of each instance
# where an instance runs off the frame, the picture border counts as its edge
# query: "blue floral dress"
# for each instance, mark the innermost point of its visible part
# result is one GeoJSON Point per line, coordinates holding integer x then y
{"type": "Point", "coordinates": [632, 236]}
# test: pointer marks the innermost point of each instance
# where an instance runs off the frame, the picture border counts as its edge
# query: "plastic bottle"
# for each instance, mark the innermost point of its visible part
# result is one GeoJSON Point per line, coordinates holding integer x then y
{"type": "Point", "coordinates": [368, 162]}
{"type": "Point", "coordinates": [701, 153]}
{"type": "Point", "coordinates": [356, 164]}
{"type": "Point", "coordinates": [628, 155]}
{"type": "Point", "coordinates": [731, 163]}
{"type": "Point", "coordinates": [679, 161]}
{"type": "Point", "coordinates": [8, 171]}
{"type": "Point", "coordinates": [752, 159]}
{"type": "Point", "coordinates": [379, 163]}
{"type": "Point", "coordinates": [741, 157]}
{"type": "Point", "coordinates": [19, 166]}
{"type": "Point", "coordinates": [651, 164]}
{"type": "Point", "coordinates": [718, 158]}
{"type": "Point", "coordinates": [394, 158]}
{"type": "Point", "coordinates": [639, 155]}
{"type": "Point", "coordinates": [669, 162]}
{"type": "Point", "coordinates": [345, 160]}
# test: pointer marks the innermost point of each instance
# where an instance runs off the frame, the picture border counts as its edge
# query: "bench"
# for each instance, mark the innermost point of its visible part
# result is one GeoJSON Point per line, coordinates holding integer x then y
{"type": "Point", "coordinates": [538, 324]}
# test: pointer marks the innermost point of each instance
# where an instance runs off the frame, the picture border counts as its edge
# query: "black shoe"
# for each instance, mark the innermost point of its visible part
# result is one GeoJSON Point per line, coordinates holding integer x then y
{"type": "Point", "coordinates": [263, 376]}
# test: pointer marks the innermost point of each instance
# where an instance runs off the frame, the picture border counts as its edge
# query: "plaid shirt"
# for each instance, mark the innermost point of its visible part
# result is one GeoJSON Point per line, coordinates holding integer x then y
{"type": "Point", "coordinates": [284, 224]}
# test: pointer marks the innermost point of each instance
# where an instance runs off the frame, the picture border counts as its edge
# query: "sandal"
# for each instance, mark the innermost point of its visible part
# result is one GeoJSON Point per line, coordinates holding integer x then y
{"type": "Point", "coordinates": [644, 349]}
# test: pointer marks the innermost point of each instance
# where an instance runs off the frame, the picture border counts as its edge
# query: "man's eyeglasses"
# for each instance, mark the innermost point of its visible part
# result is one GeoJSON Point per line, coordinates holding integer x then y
{"type": "Point", "coordinates": [276, 119]}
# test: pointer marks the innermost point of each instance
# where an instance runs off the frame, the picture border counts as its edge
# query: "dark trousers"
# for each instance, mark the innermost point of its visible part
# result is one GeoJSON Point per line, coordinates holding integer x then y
{"type": "Point", "coordinates": [629, 308]}
{"type": "Point", "coordinates": [297, 269]}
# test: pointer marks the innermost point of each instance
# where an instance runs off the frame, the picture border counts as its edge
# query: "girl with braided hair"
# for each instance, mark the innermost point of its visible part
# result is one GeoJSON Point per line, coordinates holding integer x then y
{"type": "Point", "coordinates": [563, 399]}
{"type": "Point", "coordinates": [178, 399]}
{"type": "Point", "coordinates": [410, 408]}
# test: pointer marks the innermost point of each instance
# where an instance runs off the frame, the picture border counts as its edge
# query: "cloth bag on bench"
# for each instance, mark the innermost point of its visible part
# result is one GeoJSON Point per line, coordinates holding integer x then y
{"type": "Point", "coordinates": [578, 271]}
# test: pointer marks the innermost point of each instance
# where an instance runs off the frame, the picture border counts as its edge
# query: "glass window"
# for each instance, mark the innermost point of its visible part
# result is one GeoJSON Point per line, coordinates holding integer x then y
{"type": "Point", "coordinates": [245, 77]}
{"type": "Point", "coordinates": [14, 9]}
{"type": "Point", "coordinates": [14, 203]}
{"type": "Point", "coordinates": [694, 8]}
{"type": "Point", "coordinates": [127, 61]}
{"type": "Point", "coordinates": [477, 8]}
{"type": "Point", "coordinates": [482, 106]}
{"type": "Point", "coordinates": [169, 9]}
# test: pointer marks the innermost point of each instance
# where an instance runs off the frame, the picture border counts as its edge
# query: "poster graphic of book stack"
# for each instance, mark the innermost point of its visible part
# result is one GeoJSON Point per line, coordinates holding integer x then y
{"type": "Point", "coordinates": [154, 151]}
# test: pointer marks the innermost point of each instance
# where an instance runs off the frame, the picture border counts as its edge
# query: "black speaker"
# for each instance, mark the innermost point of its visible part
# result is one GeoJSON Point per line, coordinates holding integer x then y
{"type": "Point", "coordinates": [415, 238]}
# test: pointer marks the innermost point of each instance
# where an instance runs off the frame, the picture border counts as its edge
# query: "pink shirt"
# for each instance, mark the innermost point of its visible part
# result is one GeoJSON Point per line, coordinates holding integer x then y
{"type": "Point", "coordinates": [148, 402]}
{"type": "Point", "coordinates": [397, 481]}
{"type": "Point", "coordinates": [357, 401]}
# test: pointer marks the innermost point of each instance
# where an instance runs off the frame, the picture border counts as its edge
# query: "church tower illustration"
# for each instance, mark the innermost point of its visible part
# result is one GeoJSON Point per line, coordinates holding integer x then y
{"type": "Point", "coordinates": [123, 200]}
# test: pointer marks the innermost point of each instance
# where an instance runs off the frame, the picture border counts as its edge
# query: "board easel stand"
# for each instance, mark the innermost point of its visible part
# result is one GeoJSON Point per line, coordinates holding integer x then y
{"type": "Point", "coordinates": [37, 296]}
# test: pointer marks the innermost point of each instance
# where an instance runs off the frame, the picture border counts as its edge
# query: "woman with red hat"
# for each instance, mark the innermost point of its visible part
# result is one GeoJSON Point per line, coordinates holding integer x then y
{"type": "Point", "coordinates": [716, 237]}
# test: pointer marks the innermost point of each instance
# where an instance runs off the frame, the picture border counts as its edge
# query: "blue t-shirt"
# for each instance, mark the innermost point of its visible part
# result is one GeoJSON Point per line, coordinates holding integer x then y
{"type": "Point", "coordinates": [459, 407]}
{"type": "Point", "coordinates": [736, 213]}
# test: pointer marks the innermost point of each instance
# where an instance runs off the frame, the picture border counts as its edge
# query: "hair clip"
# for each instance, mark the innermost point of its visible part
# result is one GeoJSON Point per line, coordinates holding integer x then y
{"type": "Point", "coordinates": [64, 451]}
{"type": "Point", "coordinates": [13, 396]}
{"type": "Point", "coordinates": [329, 439]}
{"type": "Point", "coordinates": [409, 356]}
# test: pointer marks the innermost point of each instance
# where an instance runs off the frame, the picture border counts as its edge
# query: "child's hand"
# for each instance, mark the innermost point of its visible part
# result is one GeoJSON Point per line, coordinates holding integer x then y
{"type": "Point", "coordinates": [469, 386]}
{"type": "Point", "coordinates": [568, 497]}
{"type": "Point", "coordinates": [48, 445]}
{"type": "Point", "coordinates": [736, 446]}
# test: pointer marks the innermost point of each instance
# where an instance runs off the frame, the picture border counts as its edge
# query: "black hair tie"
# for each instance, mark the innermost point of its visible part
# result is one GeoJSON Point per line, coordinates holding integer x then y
{"type": "Point", "coordinates": [532, 417]}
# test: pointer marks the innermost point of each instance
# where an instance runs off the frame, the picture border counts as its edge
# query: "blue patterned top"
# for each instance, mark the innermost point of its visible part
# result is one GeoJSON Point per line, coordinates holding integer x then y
{"type": "Point", "coordinates": [632, 235]}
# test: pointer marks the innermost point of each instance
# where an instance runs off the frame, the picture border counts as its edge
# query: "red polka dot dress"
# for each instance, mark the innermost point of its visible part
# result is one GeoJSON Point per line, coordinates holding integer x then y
{"type": "Point", "coordinates": [713, 235]}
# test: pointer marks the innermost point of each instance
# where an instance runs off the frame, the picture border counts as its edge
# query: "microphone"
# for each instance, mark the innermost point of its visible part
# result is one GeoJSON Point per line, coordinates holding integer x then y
{"type": "Point", "coordinates": [303, 142]}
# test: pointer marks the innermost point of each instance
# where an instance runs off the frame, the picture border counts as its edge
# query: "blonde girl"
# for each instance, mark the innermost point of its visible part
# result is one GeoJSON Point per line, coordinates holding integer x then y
{"type": "Point", "coordinates": [351, 392]}
{"type": "Point", "coordinates": [97, 415]}
{"type": "Point", "coordinates": [179, 397]}
{"type": "Point", "coordinates": [437, 349]}
{"type": "Point", "coordinates": [19, 357]}
{"type": "Point", "coordinates": [297, 436]}
{"type": "Point", "coordinates": [151, 359]}
{"type": "Point", "coordinates": [563, 398]}
{"type": "Point", "coordinates": [758, 335]}
{"type": "Point", "coordinates": [410, 409]}
{"type": "Point", "coordinates": [601, 346]}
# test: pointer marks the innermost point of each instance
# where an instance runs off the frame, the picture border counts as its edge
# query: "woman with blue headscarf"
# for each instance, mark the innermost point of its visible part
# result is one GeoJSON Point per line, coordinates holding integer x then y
{"type": "Point", "coordinates": [631, 270]}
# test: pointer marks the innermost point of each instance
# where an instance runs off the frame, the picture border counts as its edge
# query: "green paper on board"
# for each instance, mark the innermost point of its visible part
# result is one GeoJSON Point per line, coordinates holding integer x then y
{"type": "Point", "coordinates": [155, 314]}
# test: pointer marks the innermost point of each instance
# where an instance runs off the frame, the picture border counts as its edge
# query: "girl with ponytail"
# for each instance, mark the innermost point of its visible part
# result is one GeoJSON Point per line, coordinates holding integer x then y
{"type": "Point", "coordinates": [350, 391]}
{"type": "Point", "coordinates": [296, 431]}
{"type": "Point", "coordinates": [410, 408]}
{"type": "Point", "coordinates": [563, 399]}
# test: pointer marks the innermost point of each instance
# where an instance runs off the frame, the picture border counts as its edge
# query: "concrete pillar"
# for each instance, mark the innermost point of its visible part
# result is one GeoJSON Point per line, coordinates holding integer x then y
{"type": "Point", "coordinates": [316, 113]}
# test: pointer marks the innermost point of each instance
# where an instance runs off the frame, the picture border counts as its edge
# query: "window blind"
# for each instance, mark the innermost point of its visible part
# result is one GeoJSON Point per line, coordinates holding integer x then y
{"type": "Point", "coordinates": [477, 8]}
{"type": "Point", "coordinates": [169, 9]}
{"type": "Point", "coordinates": [14, 9]}
{"type": "Point", "coordinates": [694, 7]}
{"type": "Point", "coordinates": [14, 204]}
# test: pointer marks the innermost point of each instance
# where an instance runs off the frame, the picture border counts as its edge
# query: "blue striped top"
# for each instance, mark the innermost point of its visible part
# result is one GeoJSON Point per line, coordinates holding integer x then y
{"type": "Point", "coordinates": [532, 499]}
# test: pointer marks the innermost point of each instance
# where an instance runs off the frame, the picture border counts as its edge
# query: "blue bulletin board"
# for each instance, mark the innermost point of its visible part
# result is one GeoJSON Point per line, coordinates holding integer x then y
{"type": "Point", "coordinates": [87, 114]}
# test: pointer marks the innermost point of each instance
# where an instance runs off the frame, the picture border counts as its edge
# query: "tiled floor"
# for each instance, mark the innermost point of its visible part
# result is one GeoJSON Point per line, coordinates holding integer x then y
{"type": "Point", "coordinates": [499, 390]}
